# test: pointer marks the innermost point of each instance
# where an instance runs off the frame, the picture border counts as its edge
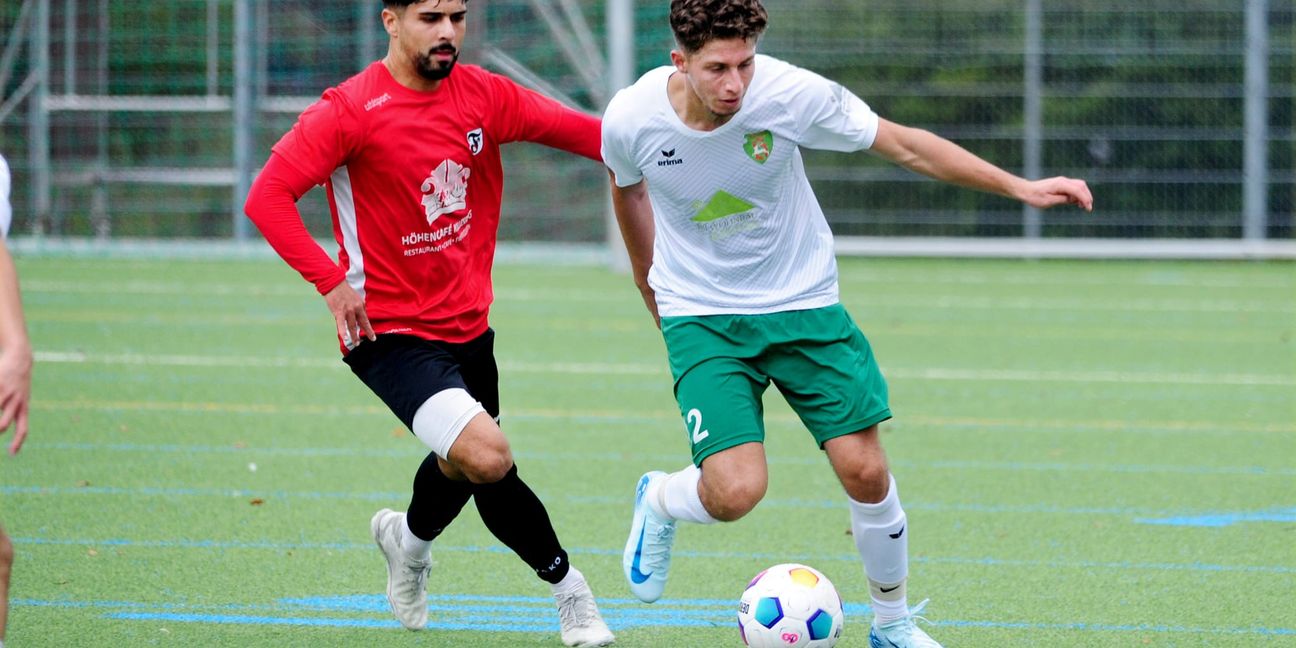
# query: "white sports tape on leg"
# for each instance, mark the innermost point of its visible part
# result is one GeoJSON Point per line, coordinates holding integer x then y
{"type": "Point", "coordinates": [442, 417]}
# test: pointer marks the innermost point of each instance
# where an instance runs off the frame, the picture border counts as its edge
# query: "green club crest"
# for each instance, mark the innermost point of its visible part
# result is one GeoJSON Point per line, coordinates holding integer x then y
{"type": "Point", "coordinates": [759, 145]}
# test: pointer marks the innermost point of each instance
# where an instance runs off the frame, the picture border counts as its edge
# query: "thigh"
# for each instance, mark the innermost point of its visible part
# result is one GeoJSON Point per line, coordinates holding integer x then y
{"type": "Point", "coordinates": [479, 370]}
{"type": "Point", "coordinates": [404, 371]}
{"type": "Point", "coordinates": [823, 365]}
{"type": "Point", "coordinates": [717, 388]}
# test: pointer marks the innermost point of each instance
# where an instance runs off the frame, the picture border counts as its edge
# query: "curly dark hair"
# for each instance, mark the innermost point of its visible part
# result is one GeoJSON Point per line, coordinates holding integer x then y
{"type": "Point", "coordinates": [698, 22]}
{"type": "Point", "coordinates": [404, 3]}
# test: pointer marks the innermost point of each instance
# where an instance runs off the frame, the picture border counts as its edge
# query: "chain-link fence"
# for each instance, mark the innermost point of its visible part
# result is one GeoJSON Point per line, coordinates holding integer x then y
{"type": "Point", "coordinates": [1179, 113]}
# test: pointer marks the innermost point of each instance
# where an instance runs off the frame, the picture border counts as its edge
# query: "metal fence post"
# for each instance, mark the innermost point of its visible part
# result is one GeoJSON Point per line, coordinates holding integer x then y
{"type": "Point", "coordinates": [38, 126]}
{"type": "Point", "coordinates": [367, 43]}
{"type": "Point", "coordinates": [244, 119]}
{"type": "Point", "coordinates": [1255, 149]}
{"type": "Point", "coordinates": [1032, 110]}
{"type": "Point", "coordinates": [620, 73]}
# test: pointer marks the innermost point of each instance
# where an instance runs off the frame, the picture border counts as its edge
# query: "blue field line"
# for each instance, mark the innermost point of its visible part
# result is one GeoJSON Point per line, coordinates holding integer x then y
{"type": "Point", "coordinates": [373, 602]}
{"type": "Point", "coordinates": [519, 614]}
{"type": "Point", "coordinates": [680, 553]}
{"type": "Point", "coordinates": [666, 420]}
{"type": "Point", "coordinates": [1224, 519]}
{"type": "Point", "coordinates": [508, 625]}
{"type": "Point", "coordinates": [240, 619]}
{"type": "Point", "coordinates": [838, 504]}
{"type": "Point", "coordinates": [416, 452]}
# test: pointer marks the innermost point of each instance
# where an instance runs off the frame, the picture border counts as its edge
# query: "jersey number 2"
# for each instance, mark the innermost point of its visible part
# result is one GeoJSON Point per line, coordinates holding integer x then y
{"type": "Point", "coordinates": [694, 418]}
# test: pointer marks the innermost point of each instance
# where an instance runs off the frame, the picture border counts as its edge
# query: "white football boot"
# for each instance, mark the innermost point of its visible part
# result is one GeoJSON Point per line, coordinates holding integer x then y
{"type": "Point", "coordinates": [579, 617]}
{"type": "Point", "coordinates": [406, 577]}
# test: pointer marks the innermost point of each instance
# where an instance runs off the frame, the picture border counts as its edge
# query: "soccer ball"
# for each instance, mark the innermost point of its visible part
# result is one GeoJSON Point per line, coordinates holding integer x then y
{"type": "Point", "coordinates": [790, 606]}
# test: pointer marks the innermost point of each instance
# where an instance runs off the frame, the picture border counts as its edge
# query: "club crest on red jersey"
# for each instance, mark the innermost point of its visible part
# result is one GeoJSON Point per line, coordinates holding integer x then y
{"type": "Point", "coordinates": [475, 140]}
{"type": "Point", "coordinates": [445, 190]}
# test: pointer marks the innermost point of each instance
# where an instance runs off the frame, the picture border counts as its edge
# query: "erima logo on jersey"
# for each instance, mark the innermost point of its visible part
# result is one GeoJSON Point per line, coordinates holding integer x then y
{"type": "Point", "coordinates": [669, 159]}
{"type": "Point", "coordinates": [377, 101]}
{"type": "Point", "coordinates": [475, 140]}
{"type": "Point", "coordinates": [446, 190]}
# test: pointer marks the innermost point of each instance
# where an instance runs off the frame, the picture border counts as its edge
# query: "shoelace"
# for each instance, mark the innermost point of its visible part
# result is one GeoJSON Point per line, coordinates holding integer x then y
{"type": "Point", "coordinates": [915, 610]}
{"type": "Point", "coordinates": [910, 620]}
{"type": "Point", "coordinates": [418, 570]}
{"type": "Point", "coordinates": [575, 610]}
{"type": "Point", "coordinates": [665, 534]}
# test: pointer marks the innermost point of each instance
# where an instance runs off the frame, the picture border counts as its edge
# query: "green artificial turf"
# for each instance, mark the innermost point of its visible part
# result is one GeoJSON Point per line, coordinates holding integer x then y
{"type": "Point", "coordinates": [1090, 454]}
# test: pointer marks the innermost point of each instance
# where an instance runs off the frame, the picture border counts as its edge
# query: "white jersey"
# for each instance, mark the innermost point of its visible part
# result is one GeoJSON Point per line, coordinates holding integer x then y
{"type": "Point", "coordinates": [738, 229]}
{"type": "Point", "coordinates": [6, 211]}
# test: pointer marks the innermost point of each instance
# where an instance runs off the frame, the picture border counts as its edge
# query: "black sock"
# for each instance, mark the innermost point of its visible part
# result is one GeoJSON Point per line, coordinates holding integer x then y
{"type": "Point", "coordinates": [437, 500]}
{"type": "Point", "coordinates": [517, 517]}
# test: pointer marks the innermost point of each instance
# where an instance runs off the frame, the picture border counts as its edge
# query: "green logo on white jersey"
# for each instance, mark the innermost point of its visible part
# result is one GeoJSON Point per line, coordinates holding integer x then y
{"type": "Point", "coordinates": [721, 204]}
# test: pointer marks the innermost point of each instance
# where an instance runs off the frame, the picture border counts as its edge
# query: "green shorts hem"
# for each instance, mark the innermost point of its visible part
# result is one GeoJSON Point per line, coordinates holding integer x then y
{"type": "Point", "coordinates": [866, 423]}
{"type": "Point", "coordinates": [730, 442]}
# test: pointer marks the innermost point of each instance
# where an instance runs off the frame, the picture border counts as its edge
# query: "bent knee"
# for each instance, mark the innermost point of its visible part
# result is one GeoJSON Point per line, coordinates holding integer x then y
{"type": "Point", "coordinates": [867, 482]}
{"type": "Point", "coordinates": [735, 499]}
{"type": "Point", "coordinates": [487, 466]}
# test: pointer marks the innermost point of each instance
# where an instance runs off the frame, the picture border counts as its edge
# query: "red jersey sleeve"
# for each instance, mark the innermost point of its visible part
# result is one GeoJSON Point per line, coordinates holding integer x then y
{"type": "Point", "coordinates": [521, 115]}
{"type": "Point", "coordinates": [272, 206]}
{"type": "Point", "coordinates": [303, 158]}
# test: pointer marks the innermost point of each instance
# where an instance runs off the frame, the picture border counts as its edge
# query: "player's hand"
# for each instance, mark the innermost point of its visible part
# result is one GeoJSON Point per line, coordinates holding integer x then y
{"type": "Point", "coordinates": [1051, 192]}
{"type": "Point", "coordinates": [349, 311]}
{"type": "Point", "coordinates": [15, 393]}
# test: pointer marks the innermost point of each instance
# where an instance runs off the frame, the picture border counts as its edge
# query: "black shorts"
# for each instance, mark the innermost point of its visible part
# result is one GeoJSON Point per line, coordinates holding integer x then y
{"type": "Point", "coordinates": [404, 371]}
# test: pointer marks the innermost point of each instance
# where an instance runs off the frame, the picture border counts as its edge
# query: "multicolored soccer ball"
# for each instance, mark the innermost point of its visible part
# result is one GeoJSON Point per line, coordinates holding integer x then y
{"type": "Point", "coordinates": [790, 606]}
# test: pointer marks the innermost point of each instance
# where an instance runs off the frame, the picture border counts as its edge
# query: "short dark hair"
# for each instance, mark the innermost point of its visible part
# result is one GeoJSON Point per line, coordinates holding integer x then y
{"type": "Point", "coordinates": [698, 22]}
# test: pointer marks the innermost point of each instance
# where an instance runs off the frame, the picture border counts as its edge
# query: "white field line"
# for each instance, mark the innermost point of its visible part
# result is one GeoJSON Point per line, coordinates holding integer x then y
{"type": "Point", "coordinates": [160, 288]}
{"type": "Point", "coordinates": [1169, 279]}
{"type": "Point", "coordinates": [606, 369]}
{"type": "Point", "coordinates": [1285, 304]}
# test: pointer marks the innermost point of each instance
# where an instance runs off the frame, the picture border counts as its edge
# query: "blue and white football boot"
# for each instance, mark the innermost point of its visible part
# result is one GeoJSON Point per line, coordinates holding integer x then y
{"type": "Point", "coordinates": [901, 633]}
{"type": "Point", "coordinates": [647, 552]}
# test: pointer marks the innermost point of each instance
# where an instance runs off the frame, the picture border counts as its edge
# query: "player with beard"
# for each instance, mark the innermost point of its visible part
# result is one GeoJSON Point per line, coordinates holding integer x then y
{"type": "Point", "coordinates": [409, 152]}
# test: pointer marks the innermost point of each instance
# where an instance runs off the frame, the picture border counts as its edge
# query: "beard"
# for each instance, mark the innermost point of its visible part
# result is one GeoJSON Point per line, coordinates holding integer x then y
{"type": "Point", "coordinates": [432, 69]}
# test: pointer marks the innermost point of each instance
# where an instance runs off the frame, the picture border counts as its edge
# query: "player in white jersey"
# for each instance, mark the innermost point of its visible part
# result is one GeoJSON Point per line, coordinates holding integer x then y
{"type": "Point", "coordinates": [735, 261]}
{"type": "Point", "coordinates": [15, 372]}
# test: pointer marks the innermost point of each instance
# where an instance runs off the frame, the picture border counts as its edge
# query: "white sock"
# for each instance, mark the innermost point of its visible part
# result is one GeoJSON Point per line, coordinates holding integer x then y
{"type": "Point", "coordinates": [570, 583]}
{"type": "Point", "coordinates": [883, 543]}
{"type": "Point", "coordinates": [676, 497]}
{"type": "Point", "coordinates": [413, 546]}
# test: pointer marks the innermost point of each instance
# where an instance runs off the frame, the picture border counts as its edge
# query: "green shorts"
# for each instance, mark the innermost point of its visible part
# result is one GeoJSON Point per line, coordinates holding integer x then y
{"type": "Point", "coordinates": [818, 359]}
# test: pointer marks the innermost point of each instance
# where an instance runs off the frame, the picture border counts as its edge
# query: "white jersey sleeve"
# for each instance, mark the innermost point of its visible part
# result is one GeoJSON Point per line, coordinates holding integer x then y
{"type": "Point", "coordinates": [831, 116]}
{"type": "Point", "coordinates": [6, 210]}
{"type": "Point", "coordinates": [619, 126]}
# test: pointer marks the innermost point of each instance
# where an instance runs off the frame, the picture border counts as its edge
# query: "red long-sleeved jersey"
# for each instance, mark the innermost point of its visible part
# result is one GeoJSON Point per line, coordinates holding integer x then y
{"type": "Point", "coordinates": [414, 183]}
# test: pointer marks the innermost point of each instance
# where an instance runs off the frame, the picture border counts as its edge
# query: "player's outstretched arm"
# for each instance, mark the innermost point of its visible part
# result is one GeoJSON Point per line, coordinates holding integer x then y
{"type": "Point", "coordinates": [15, 355]}
{"type": "Point", "coordinates": [635, 217]}
{"type": "Point", "coordinates": [924, 152]}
